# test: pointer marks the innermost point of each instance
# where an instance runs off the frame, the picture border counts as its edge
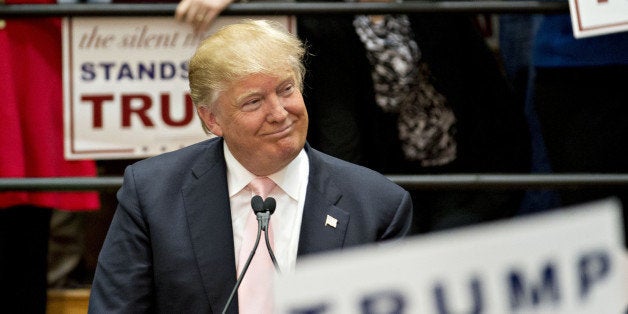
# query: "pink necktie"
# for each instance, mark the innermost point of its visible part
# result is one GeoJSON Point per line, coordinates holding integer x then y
{"type": "Point", "coordinates": [255, 291]}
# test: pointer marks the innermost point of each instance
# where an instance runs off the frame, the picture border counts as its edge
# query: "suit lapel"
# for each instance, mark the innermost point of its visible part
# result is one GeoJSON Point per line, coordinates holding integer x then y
{"type": "Point", "coordinates": [208, 212]}
{"type": "Point", "coordinates": [324, 225]}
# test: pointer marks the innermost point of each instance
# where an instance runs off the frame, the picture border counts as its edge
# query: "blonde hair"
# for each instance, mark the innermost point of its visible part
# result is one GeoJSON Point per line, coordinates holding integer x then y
{"type": "Point", "coordinates": [238, 50]}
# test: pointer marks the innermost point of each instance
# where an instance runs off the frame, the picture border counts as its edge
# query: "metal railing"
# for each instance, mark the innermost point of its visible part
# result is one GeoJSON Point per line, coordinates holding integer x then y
{"type": "Point", "coordinates": [412, 182]}
{"type": "Point", "coordinates": [287, 8]}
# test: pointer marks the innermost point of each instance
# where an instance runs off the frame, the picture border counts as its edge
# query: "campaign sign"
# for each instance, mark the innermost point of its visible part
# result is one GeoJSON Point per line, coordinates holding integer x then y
{"type": "Point", "coordinates": [126, 92]}
{"type": "Point", "coordinates": [598, 17]}
{"type": "Point", "coordinates": [564, 262]}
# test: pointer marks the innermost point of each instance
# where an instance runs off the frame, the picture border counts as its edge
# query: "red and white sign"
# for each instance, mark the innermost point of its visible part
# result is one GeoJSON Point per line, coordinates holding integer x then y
{"type": "Point", "coordinates": [126, 92]}
{"type": "Point", "coordinates": [598, 17]}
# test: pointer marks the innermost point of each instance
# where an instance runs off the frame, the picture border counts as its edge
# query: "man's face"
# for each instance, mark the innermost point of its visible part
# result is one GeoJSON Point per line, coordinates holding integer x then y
{"type": "Point", "coordinates": [262, 119]}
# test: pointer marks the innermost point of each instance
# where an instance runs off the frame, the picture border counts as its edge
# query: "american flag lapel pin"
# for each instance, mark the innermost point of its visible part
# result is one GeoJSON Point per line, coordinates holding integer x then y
{"type": "Point", "coordinates": [331, 221]}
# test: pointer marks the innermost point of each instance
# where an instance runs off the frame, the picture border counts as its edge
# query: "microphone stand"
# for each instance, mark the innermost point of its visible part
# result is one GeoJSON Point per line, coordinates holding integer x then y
{"type": "Point", "coordinates": [262, 212]}
{"type": "Point", "coordinates": [257, 204]}
{"type": "Point", "coordinates": [264, 219]}
{"type": "Point", "coordinates": [270, 251]}
{"type": "Point", "coordinates": [246, 266]}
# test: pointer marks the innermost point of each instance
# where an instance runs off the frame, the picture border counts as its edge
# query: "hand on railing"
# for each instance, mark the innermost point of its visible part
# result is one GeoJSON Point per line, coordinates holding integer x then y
{"type": "Point", "coordinates": [200, 13]}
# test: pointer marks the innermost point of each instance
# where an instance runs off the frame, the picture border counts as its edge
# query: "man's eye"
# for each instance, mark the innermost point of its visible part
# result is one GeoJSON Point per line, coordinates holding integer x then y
{"type": "Point", "coordinates": [251, 104]}
{"type": "Point", "coordinates": [288, 89]}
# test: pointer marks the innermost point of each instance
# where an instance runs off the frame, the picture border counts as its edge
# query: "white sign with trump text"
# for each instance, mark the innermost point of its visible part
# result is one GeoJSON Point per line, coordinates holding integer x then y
{"type": "Point", "coordinates": [568, 261]}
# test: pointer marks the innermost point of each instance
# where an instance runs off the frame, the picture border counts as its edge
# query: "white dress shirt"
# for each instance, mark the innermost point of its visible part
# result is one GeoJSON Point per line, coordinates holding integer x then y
{"type": "Point", "coordinates": [290, 196]}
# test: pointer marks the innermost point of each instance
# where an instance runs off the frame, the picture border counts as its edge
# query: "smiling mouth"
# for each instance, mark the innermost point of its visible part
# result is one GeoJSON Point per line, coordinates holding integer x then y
{"type": "Point", "coordinates": [282, 131]}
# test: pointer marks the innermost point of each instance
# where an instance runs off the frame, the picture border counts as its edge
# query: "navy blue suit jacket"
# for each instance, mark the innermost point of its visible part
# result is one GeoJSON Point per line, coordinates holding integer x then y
{"type": "Point", "coordinates": [169, 248]}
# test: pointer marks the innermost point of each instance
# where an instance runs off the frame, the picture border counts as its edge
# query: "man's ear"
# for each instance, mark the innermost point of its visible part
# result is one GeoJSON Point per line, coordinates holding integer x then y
{"type": "Point", "coordinates": [209, 120]}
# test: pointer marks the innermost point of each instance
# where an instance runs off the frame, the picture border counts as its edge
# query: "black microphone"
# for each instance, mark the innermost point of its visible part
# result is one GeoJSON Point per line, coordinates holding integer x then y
{"type": "Point", "coordinates": [258, 206]}
{"type": "Point", "coordinates": [270, 204]}
{"type": "Point", "coordinates": [257, 203]}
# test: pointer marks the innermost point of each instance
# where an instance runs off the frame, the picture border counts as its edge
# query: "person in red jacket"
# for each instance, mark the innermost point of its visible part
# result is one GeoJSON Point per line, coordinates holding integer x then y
{"type": "Point", "coordinates": [31, 145]}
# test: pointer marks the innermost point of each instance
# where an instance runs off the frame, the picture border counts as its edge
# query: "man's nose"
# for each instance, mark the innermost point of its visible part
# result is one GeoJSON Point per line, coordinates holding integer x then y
{"type": "Point", "coordinates": [276, 111]}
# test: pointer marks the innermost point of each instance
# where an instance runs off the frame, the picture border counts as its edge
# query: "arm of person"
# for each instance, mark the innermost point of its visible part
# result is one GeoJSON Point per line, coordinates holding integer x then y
{"type": "Point", "coordinates": [401, 222]}
{"type": "Point", "coordinates": [123, 281]}
{"type": "Point", "coordinates": [200, 13]}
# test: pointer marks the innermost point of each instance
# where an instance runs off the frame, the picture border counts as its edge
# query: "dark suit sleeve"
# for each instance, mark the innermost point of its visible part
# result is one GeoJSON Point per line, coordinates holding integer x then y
{"type": "Point", "coordinates": [123, 281]}
{"type": "Point", "coordinates": [401, 221]}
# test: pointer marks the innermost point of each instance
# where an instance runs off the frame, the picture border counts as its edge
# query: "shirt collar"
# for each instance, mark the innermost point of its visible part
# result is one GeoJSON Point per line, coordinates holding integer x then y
{"type": "Point", "coordinates": [288, 178]}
